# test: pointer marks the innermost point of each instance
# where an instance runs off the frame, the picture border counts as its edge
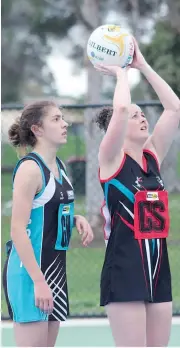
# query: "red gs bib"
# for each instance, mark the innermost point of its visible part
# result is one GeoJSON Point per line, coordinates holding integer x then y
{"type": "Point", "coordinates": [151, 214]}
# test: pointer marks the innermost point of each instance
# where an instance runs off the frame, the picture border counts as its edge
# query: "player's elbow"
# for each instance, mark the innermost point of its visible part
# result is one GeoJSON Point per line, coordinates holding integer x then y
{"type": "Point", "coordinates": [121, 109]}
{"type": "Point", "coordinates": [13, 233]}
{"type": "Point", "coordinates": [16, 230]}
{"type": "Point", "coordinates": [176, 111]}
{"type": "Point", "coordinates": [176, 107]}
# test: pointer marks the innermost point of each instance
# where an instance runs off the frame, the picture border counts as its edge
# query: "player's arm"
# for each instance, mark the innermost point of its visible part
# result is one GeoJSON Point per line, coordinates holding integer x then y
{"type": "Point", "coordinates": [27, 182]}
{"type": "Point", "coordinates": [168, 123]}
{"type": "Point", "coordinates": [113, 140]}
{"type": "Point", "coordinates": [165, 129]}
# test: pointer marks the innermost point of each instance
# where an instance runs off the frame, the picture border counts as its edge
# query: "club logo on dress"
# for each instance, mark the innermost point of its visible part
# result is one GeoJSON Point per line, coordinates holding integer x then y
{"type": "Point", "coordinates": [61, 196]}
{"type": "Point", "coordinates": [138, 181]}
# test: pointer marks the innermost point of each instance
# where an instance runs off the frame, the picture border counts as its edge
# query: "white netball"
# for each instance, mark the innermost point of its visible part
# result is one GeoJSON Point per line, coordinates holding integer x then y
{"type": "Point", "coordinates": [110, 45]}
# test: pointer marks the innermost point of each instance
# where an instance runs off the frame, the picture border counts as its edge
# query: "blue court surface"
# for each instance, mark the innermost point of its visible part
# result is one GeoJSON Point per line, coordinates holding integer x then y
{"type": "Point", "coordinates": [85, 333]}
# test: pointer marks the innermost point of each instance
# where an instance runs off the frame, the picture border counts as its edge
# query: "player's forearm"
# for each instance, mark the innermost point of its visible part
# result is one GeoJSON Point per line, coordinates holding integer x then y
{"type": "Point", "coordinates": [165, 93]}
{"type": "Point", "coordinates": [25, 251]}
{"type": "Point", "coordinates": [122, 96]}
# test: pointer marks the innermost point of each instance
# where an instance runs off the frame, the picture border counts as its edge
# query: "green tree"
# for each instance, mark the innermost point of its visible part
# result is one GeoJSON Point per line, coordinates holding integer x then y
{"type": "Point", "coordinates": [27, 27]}
{"type": "Point", "coordinates": [44, 21]}
{"type": "Point", "coordinates": [163, 54]}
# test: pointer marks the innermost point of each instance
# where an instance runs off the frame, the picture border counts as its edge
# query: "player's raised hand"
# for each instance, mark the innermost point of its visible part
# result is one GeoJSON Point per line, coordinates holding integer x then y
{"type": "Point", "coordinates": [112, 70]}
{"type": "Point", "coordinates": [138, 58]}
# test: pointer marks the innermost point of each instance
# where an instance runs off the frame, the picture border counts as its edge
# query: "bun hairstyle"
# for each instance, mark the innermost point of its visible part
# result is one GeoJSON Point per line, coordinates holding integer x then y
{"type": "Point", "coordinates": [103, 118]}
{"type": "Point", "coordinates": [20, 133]}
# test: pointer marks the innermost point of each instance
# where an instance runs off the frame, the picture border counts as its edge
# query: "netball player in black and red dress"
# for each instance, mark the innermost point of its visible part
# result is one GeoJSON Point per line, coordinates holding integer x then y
{"type": "Point", "coordinates": [136, 279]}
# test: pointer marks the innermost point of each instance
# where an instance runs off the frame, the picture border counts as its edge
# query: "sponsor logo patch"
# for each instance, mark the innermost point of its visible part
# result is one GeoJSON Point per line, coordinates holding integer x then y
{"type": "Point", "coordinates": [152, 196]}
{"type": "Point", "coordinates": [66, 209]}
{"type": "Point", "coordinates": [70, 194]}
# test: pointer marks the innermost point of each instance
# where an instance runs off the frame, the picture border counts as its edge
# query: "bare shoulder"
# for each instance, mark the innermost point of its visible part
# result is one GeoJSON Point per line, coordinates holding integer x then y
{"type": "Point", "coordinates": [27, 183]}
{"type": "Point", "coordinates": [108, 169]}
{"type": "Point", "coordinates": [28, 167]}
{"type": "Point", "coordinates": [28, 173]}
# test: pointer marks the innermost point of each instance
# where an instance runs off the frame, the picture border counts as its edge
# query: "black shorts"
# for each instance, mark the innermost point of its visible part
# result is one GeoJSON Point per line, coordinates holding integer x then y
{"type": "Point", "coordinates": [136, 272]}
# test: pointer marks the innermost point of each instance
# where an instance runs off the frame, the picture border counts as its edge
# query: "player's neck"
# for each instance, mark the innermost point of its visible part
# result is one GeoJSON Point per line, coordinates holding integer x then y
{"type": "Point", "coordinates": [135, 151]}
{"type": "Point", "coordinates": [48, 153]}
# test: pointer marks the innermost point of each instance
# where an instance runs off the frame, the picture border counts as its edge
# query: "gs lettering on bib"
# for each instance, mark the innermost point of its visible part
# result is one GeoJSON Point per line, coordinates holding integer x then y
{"type": "Point", "coordinates": [151, 215]}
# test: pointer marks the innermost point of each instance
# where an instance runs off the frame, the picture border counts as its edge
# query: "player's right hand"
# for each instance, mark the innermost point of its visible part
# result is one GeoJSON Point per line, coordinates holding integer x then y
{"type": "Point", "coordinates": [43, 296]}
{"type": "Point", "coordinates": [110, 69]}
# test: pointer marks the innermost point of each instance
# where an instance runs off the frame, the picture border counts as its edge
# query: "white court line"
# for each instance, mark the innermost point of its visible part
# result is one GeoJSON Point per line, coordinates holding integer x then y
{"type": "Point", "coordinates": [83, 323]}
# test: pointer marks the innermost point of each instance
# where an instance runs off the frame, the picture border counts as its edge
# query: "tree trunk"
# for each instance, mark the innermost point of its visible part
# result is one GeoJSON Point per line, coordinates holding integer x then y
{"type": "Point", "coordinates": [135, 21]}
{"type": "Point", "coordinates": [174, 14]}
{"type": "Point", "coordinates": [94, 194]}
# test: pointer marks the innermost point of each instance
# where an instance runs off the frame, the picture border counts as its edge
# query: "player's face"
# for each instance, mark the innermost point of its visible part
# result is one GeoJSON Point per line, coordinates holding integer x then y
{"type": "Point", "coordinates": [137, 124]}
{"type": "Point", "coordinates": [54, 126]}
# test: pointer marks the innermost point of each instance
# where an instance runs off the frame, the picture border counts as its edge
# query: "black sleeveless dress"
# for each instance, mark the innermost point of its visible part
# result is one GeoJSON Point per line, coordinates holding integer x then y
{"type": "Point", "coordinates": [135, 209]}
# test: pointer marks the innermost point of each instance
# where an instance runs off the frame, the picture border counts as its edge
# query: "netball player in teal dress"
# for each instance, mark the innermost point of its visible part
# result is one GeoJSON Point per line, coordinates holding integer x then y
{"type": "Point", "coordinates": [35, 280]}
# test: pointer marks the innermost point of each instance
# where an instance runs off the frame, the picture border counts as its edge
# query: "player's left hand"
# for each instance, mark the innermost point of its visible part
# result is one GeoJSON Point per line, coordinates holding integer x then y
{"type": "Point", "coordinates": [84, 230]}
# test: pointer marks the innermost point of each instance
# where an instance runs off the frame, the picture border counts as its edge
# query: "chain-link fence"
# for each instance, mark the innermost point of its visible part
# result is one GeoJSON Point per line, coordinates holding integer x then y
{"type": "Point", "coordinates": [84, 264]}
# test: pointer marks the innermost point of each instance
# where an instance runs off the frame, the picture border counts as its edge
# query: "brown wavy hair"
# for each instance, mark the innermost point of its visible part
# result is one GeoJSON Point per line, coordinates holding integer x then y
{"type": "Point", "coordinates": [20, 133]}
{"type": "Point", "coordinates": [103, 118]}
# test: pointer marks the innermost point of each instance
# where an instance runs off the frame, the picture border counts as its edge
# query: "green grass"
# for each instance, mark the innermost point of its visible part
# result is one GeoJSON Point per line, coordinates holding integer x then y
{"type": "Point", "coordinates": [83, 270]}
{"type": "Point", "coordinates": [178, 164]}
{"type": "Point", "coordinates": [75, 147]}
{"type": "Point", "coordinates": [84, 265]}
{"type": "Point", "coordinates": [174, 206]}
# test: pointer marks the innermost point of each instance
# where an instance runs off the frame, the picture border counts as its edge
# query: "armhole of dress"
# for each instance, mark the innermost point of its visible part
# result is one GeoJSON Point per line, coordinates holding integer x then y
{"type": "Point", "coordinates": [41, 169]}
{"type": "Point", "coordinates": [107, 221]}
{"type": "Point", "coordinates": [61, 165]}
{"type": "Point", "coordinates": [152, 154]}
{"type": "Point", "coordinates": [116, 173]}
